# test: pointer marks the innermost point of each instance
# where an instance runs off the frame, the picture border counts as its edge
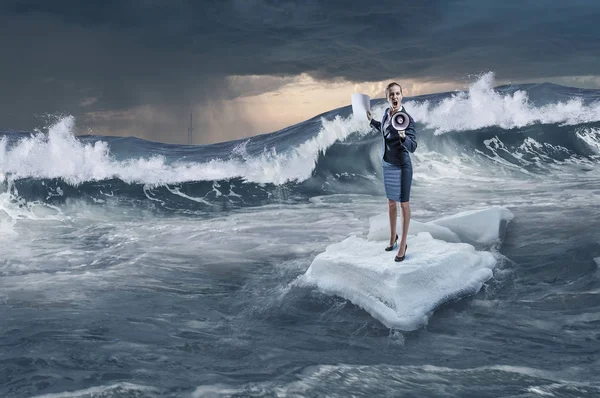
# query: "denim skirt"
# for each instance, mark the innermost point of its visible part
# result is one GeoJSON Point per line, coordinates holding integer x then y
{"type": "Point", "coordinates": [397, 181]}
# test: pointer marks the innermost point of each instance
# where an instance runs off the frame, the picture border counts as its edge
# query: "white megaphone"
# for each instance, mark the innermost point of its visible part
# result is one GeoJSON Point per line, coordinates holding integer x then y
{"type": "Point", "coordinates": [400, 120]}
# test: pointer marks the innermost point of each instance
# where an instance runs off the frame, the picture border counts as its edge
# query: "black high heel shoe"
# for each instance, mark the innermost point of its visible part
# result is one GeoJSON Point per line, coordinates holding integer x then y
{"type": "Point", "coordinates": [398, 259]}
{"type": "Point", "coordinates": [390, 248]}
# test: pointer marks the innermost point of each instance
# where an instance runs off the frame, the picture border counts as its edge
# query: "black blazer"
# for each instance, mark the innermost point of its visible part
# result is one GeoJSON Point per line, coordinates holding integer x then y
{"type": "Point", "coordinates": [395, 149]}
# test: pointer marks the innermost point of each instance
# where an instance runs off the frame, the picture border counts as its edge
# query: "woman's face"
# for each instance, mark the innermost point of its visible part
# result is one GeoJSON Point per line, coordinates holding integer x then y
{"type": "Point", "coordinates": [394, 98]}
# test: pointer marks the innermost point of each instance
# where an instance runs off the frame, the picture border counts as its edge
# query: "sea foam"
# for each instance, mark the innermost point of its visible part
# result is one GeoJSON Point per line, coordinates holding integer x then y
{"type": "Point", "coordinates": [483, 106]}
{"type": "Point", "coordinates": [59, 154]}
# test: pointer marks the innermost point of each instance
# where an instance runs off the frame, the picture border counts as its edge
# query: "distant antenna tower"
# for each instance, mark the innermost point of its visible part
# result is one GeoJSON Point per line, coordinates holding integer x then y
{"type": "Point", "coordinates": [190, 131]}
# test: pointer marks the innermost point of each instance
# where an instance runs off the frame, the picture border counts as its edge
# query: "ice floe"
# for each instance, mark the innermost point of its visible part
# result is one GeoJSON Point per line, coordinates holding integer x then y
{"type": "Point", "coordinates": [441, 265]}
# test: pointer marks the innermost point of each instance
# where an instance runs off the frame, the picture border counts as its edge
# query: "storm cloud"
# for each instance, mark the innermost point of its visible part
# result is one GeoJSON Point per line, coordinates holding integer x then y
{"type": "Point", "coordinates": [107, 62]}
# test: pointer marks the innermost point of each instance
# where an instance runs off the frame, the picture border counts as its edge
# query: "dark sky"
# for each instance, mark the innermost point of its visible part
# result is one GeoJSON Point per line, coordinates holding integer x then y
{"type": "Point", "coordinates": [140, 66]}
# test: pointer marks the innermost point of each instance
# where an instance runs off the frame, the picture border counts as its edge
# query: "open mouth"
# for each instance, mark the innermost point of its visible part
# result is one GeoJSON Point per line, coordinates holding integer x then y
{"type": "Point", "coordinates": [395, 103]}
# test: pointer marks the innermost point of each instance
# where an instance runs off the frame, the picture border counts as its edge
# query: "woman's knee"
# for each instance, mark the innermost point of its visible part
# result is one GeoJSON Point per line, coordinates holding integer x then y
{"type": "Point", "coordinates": [391, 204]}
{"type": "Point", "coordinates": [405, 205]}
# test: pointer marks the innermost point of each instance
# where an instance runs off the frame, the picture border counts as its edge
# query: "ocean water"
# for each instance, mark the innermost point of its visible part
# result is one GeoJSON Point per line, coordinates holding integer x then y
{"type": "Point", "coordinates": [136, 269]}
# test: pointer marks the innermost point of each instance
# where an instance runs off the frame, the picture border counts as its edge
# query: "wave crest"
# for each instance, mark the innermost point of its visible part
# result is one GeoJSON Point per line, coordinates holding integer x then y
{"type": "Point", "coordinates": [483, 106]}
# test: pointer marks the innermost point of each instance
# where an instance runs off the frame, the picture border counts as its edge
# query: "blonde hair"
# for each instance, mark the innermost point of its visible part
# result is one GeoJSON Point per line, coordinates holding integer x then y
{"type": "Point", "coordinates": [389, 86]}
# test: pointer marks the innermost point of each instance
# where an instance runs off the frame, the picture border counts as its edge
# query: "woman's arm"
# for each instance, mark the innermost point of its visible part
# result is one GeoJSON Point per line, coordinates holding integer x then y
{"type": "Point", "coordinates": [374, 123]}
{"type": "Point", "coordinates": [410, 141]}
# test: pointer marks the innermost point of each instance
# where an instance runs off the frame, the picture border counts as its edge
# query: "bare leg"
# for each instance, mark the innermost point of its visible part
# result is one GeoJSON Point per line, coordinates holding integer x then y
{"type": "Point", "coordinates": [393, 213]}
{"type": "Point", "coordinates": [405, 222]}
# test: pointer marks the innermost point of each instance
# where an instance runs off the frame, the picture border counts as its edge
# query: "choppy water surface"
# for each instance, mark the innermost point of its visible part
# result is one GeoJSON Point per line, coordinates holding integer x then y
{"type": "Point", "coordinates": [133, 269]}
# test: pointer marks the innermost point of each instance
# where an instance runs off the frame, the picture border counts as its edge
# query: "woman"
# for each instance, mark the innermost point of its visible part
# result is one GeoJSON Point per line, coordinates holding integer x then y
{"type": "Point", "coordinates": [397, 167]}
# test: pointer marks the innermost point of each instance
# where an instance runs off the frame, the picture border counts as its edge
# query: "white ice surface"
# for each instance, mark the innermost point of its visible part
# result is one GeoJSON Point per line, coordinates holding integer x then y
{"type": "Point", "coordinates": [437, 268]}
{"type": "Point", "coordinates": [380, 229]}
{"type": "Point", "coordinates": [481, 226]}
{"type": "Point", "coordinates": [475, 226]}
